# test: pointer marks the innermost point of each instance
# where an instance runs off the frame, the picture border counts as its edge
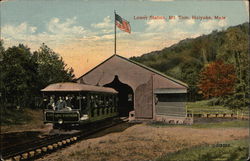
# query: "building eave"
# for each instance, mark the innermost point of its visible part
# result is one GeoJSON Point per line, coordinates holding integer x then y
{"type": "Point", "coordinates": [138, 64]}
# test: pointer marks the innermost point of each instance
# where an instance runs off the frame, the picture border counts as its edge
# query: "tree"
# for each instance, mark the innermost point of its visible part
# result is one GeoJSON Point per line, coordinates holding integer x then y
{"type": "Point", "coordinates": [24, 74]}
{"type": "Point", "coordinates": [18, 75]}
{"type": "Point", "coordinates": [190, 74]}
{"type": "Point", "coordinates": [217, 79]}
{"type": "Point", "coordinates": [1, 50]}
{"type": "Point", "coordinates": [230, 45]}
{"type": "Point", "coordinates": [50, 67]}
{"type": "Point", "coordinates": [236, 50]}
{"type": "Point", "coordinates": [2, 91]}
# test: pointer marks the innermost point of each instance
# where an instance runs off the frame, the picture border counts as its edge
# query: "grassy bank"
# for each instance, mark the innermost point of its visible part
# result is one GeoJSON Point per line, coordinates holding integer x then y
{"type": "Point", "coordinates": [226, 124]}
{"type": "Point", "coordinates": [14, 116]}
{"type": "Point", "coordinates": [208, 107]}
{"type": "Point", "coordinates": [236, 150]}
{"type": "Point", "coordinates": [22, 119]}
{"type": "Point", "coordinates": [223, 124]}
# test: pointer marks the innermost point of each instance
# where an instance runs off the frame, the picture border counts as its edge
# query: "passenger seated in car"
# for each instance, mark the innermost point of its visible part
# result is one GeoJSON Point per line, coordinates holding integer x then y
{"type": "Point", "coordinates": [51, 104]}
{"type": "Point", "coordinates": [60, 104]}
{"type": "Point", "coordinates": [68, 105]}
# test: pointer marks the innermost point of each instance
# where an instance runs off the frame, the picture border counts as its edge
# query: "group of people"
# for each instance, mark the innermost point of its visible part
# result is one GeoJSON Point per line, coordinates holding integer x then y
{"type": "Point", "coordinates": [69, 102]}
{"type": "Point", "coordinates": [61, 103]}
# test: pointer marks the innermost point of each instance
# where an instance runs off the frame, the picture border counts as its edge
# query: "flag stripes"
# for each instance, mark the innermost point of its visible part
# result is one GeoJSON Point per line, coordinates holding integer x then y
{"type": "Point", "coordinates": [122, 24]}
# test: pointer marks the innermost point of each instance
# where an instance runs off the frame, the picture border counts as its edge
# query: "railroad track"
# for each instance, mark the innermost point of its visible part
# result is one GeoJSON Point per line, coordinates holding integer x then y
{"type": "Point", "coordinates": [37, 148]}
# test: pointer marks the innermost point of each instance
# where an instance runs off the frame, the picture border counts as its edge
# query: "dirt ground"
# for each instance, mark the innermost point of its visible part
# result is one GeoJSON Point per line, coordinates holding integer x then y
{"type": "Point", "coordinates": [142, 142]}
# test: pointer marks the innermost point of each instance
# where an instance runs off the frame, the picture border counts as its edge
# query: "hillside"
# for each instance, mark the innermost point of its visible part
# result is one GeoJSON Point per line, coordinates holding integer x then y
{"type": "Point", "coordinates": [187, 58]}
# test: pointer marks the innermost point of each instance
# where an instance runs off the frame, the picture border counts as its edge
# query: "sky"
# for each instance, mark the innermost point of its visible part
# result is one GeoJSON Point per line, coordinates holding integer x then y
{"type": "Point", "coordinates": [82, 31]}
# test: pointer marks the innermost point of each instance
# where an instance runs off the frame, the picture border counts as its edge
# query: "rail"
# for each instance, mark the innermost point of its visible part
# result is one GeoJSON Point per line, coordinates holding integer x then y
{"type": "Point", "coordinates": [40, 147]}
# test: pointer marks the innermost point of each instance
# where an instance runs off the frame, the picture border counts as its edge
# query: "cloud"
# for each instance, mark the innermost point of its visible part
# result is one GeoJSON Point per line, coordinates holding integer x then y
{"type": "Point", "coordinates": [68, 27]}
{"type": "Point", "coordinates": [213, 24]}
{"type": "Point", "coordinates": [21, 29]}
{"type": "Point", "coordinates": [246, 2]}
{"type": "Point", "coordinates": [156, 25]}
{"type": "Point", "coordinates": [6, 1]}
{"type": "Point", "coordinates": [105, 26]}
{"type": "Point", "coordinates": [179, 34]}
{"type": "Point", "coordinates": [175, 29]}
{"type": "Point", "coordinates": [162, 0]}
{"type": "Point", "coordinates": [190, 22]}
{"type": "Point", "coordinates": [57, 32]}
{"type": "Point", "coordinates": [174, 21]}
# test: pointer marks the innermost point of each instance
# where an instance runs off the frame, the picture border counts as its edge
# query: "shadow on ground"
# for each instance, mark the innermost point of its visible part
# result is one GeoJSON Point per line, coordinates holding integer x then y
{"type": "Point", "coordinates": [15, 138]}
{"type": "Point", "coordinates": [117, 128]}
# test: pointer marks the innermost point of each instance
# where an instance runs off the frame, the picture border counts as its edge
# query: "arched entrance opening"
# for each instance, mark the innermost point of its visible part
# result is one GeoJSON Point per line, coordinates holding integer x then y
{"type": "Point", "coordinates": [125, 96]}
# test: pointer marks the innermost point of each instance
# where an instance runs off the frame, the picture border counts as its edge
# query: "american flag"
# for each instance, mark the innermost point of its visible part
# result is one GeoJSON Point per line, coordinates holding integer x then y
{"type": "Point", "coordinates": [122, 24]}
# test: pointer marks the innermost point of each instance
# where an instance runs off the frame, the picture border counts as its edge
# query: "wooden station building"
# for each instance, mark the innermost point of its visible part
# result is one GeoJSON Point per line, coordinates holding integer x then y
{"type": "Point", "coordinates": [143, 93]}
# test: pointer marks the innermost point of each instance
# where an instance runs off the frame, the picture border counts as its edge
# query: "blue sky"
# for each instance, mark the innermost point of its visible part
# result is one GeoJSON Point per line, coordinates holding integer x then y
{"type": "Point", "coordinates": [82, 31]}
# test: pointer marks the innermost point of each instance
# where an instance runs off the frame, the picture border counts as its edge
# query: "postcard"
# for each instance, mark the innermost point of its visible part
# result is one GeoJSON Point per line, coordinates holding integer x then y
{"type": "Point", "coordinates": [116, 80]}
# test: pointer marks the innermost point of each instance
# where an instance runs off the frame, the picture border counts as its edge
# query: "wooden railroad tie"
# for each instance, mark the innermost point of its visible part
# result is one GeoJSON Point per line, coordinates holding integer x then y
{"type": "Point", "coordinates": [55, 145]}
{"type": "Point", "coordinates": [50, 147]}
{"type": "Point", "coordinates": [25, 156]}
{"type": "Point", "coordinates": [68, 140]}
{"type": "Point", "coordinates": [17, 158]}
{"type": "Point", "coordinates": [64, 142]}
{"type": "Point", "coordinates": [44, 149]}
{"type": "Point", "coordinates": [59, 143]}
{"type": "Point", "coordinates": [31, 153]}
{"type": "Point", "coordinates": [38, 151]}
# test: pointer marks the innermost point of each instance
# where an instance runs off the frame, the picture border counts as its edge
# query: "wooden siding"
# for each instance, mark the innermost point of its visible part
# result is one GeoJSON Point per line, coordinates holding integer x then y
{"type": "Point", "coordinates": [136, 76]}
{"type": "Point", "coordinates": [144, 101]}
{"type": "Point", "coordinates": [171, 109]}
{"type": "Point", "coordinates": [171, 105]}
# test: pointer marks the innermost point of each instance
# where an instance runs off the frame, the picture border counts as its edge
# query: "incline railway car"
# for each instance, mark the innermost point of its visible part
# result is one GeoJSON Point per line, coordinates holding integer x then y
{"type": "Point", "coordinates": [71, 104]}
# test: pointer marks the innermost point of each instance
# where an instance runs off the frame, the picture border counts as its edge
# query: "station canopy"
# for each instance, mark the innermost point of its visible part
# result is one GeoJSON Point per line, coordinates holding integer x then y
{"type": "Point", "coordinates": [74, 87]}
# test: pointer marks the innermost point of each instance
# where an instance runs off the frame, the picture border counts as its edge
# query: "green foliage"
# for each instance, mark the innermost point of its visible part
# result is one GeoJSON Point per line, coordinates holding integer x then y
{"type": "Point", "coordinates": [50, 67]}
{"type": "Point", "coordinates": [24, 74]}
{"type": "Point", "coordinates": [204, 104]}
{"type": "Point", "coordinates": [2, 50]}
{"type": "Point", "coordinates": [236, 100]}
{"type": "Point", "coordinates": [213, 106]}
{"type": "Point", "coordinates": [221, 124]}
{"type": "Point", "coordinates": [190, 74]}
{"type": "Point", "coordinates": [14, 116]}
{"type": "Point", "coordinates": [237, 49]}
{"type": "Point", "coordinates": [186, 59]}
{"type": "Point", "coordinates": [18, 74]}
{"type": "Point", "coordinates": [225, 124]}
{"type": "Point", "coordinates": [227, 151]}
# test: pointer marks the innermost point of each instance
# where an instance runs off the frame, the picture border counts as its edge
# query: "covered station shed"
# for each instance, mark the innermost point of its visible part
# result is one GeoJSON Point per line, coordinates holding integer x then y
{"type": "Point", "coordinates": [143, 93]}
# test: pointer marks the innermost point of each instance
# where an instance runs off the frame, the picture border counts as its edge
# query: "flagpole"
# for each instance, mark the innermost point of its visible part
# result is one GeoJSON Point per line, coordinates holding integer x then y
{"type": "Point", "coordinates": [115, 35]}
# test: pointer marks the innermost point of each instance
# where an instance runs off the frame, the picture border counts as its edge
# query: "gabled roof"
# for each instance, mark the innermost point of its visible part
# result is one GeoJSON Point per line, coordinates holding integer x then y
{"type": "Point", "coordinates": [141, 65]}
